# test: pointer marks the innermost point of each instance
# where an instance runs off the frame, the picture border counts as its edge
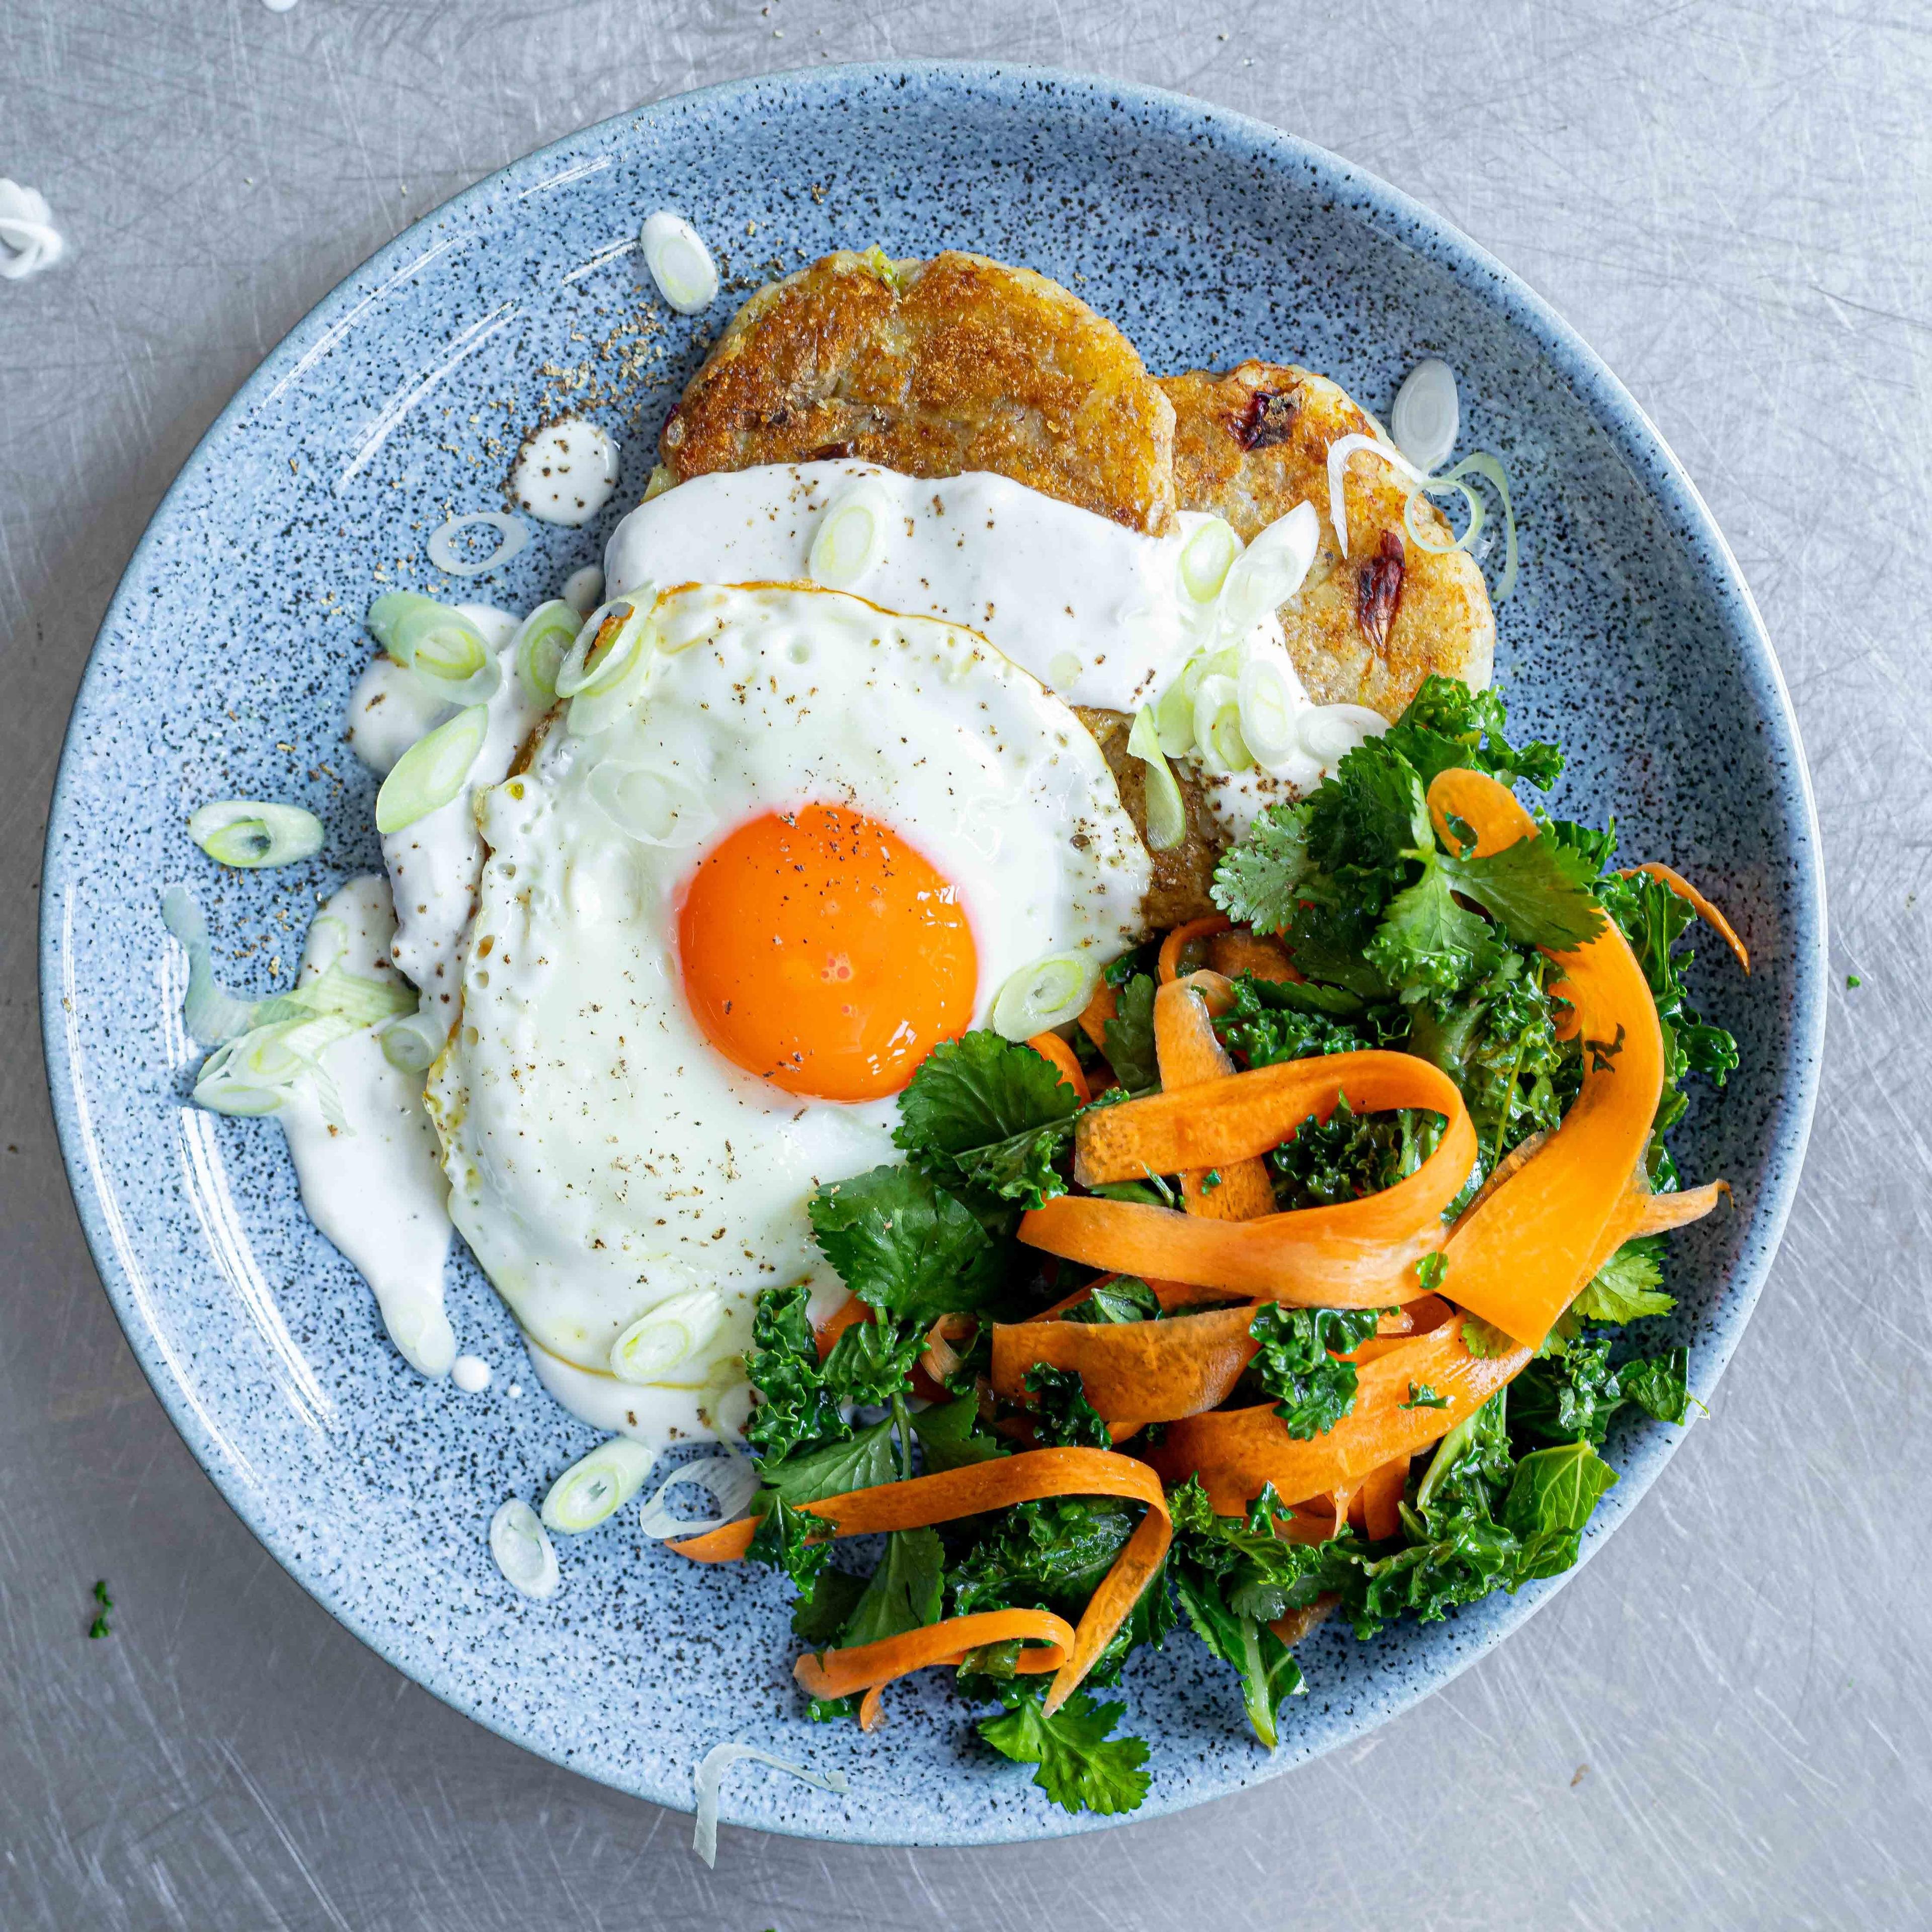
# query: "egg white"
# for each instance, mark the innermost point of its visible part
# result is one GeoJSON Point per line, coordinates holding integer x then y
{"type": "Point", "coordinates": [601, 1154]}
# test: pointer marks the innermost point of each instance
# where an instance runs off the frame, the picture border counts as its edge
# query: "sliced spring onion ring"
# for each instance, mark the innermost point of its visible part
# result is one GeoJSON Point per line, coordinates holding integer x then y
{"type": "Point", "coordinates": [1329, 733]}
{"type": "Point", "coordinates": [596, 673]}
{"type": "Point", "coordinates": [731, 1482]}
{"type": "Point", "coordinates": [523, 1553]}
{"type": "Point", "coordinates": [1207, 554]}
{"type": "Point", "coordinates": [412, 1043]}
{"type": "Point", "coordinates": [1339, 452]}
{"type": "Point", "coordinates": [432, 771]}
{"type": "Point", "coordinates": [1427, 414]}
{"type": "Point", "coordinates": [851, 535]}
{"type": "Point", "coordinates": [210, 1013]}
{"type": "Point", "coordinates": [680, 262]}
{"type": "Point", "coordinates": [1268, 707]}
{"type": "Point", "coordinates": [259, 1072]}
{"type": "Point", "coordinates": [542, 642]}
{"type": "Point", "coordinates": [651, 807]}
{"type": "Point", "coordinates": [1218, 743]}
{"type": "Point", "coordinates": [340, 995]}
{"type": "Point", "coordinates": [1166, 809]}
{"type": "Point", "coordinates": [670, 1333]}
{"type": "Point", "coordinates": [1482, 464]}
{"type": "Point", "coordinates": [445, 650]}
{"type": "Point", "coordinates": [1270, 570]}
{"type": "Point", "coordinates": [253, 832]}
{"type": "Point", "coordinates": [709, 1774]}
{"type": "Point", "coordinates": [1047, 994]}
{"type": "Point", "coordinates": [595, 1484]}
{"type": "Point", "coordinates": [442, 551]}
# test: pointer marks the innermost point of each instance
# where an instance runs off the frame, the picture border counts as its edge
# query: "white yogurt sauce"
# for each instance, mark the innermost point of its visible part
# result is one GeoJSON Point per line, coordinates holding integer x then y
{"type": "Point", "coordinates": [433, 863]}
{"type": "Point", "coordinates": [374, 1186]}
{"type": "Point", "coordinates": [655, 1414]}
{"type": "Point", "coordinates": [1092, 609]}
{"type": "Point", "coordinates": [565, 472]}
{"type": "Point", "coordinates": [583, 589]}
{"type": "Point", "coordinates": [471, 1374]}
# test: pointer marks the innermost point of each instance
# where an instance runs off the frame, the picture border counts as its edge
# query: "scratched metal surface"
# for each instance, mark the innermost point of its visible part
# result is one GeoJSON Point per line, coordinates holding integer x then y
{"type": "Point", "coordinates": [1722, 1723]}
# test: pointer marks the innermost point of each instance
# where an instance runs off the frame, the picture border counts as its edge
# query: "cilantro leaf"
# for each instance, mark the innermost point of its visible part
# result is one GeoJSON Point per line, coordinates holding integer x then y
{"type": "Point", "coordinates": [905, 1591]}
{"type": "Point", "coordinates": [1537, 890]}
{"type": "Point", "coordinates": [1127, 1039]}
{"type": "Point", "coordinates": [1063, 1416]}
{"type": "Point", "coordinates": [1426, 942]}
{"type": "Point", "coordinates": [950, 1434]}
{"type": "Point", "coordinates": [904, 1246]}
{"type": "Point", "coordinates": [1556, 1490]}
{"type": "Point", "coordinates": [1312, 1390]}
{"type": "Point", "coordinates": [1421, 1396]}
{"type": "Point", "coordinates": [1256, 882]}
{"type": "Point", "coordinates": [1082, 1769]}
{"type": "Point", "coordinates": [990, 1112]}
{"type": "Point", "coordinates": [1626, 1287]}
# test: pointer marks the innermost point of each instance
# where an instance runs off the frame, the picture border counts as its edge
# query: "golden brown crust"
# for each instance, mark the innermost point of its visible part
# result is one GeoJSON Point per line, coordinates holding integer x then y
{"type": "Point", "coordinates": [933, 368]}
{"type": "Point", "coordinates": [1367, 629]}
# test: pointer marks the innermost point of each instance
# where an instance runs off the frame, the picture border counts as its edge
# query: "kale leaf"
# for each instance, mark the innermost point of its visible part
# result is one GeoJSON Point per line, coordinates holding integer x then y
{"type": "Point", "coordinates": [1297, 1363]}
{"type": "Point", "coordinates": [1350, 1155]}
{"type": "Point", "coordinates": [797, 1402]}
{"type": "Point", "coordinates": [1081, 1767]}
{"type": "Point", "coordinates": [1660, 1386]}
{"type": "Point", "coordinates": [1062, 1416]}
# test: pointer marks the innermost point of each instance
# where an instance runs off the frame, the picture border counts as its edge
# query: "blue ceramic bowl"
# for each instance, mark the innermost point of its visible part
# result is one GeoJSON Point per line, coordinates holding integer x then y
{"type": "Point", "coordinates": [222, 670]}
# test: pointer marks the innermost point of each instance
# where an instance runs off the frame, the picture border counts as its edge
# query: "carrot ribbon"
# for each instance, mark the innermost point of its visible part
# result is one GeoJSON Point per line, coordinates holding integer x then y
{"type": "Point", "coordinates": [1520, 1257]}
{"type": "Point", "coordinates": [1355, 1254]}
{"type": "Point", "coordinates": [998, 1484]}
{"type": "Point", "coordinates": [1235, 1451]}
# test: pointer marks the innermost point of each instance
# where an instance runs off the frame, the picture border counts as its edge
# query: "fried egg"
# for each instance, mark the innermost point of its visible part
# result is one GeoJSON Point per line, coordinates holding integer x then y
{"type": "Point", "coordinates": [727, 909]}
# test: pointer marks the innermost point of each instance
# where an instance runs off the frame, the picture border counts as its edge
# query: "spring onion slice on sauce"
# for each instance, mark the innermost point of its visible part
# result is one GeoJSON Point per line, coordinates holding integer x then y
{"type": "Point", "coordinates": [432, 771]}
{"type": "Point", "coordinates": [253, 832]}
{"type": "Point", "coordinates": [1207, 555]}
{"type": "Point", "coordinates": [709, 1774]}
{"type": "Point", "coordinates": [851, 535]}
{"type": "Point", "coordinates": [542, 642]}
{"type": "Point", "coordinates": [667, 1336]}
{"type": "Point", "coordinates": [440, 646]}
{"type": "Point", "coordinates": [597, 1484]}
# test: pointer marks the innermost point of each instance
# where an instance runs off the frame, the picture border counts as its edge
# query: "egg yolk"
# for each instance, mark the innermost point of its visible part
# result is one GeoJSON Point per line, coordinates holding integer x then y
{"type": "Point", "coordinates": [822, 952]}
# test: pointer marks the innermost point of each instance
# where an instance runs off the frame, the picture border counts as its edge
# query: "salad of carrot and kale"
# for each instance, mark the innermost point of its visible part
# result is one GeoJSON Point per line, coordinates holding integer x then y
{"type": "Point", "coordinates": [1307, 1278]}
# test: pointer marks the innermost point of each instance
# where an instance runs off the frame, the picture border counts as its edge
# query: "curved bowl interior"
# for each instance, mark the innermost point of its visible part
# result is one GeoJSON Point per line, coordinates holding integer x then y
{"type": "Point", "coordinates": [222, 668]}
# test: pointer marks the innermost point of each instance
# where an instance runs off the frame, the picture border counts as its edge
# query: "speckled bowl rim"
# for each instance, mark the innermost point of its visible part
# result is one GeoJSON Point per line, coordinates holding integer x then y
{"type": "Point", "coordinates": [1387, 209]}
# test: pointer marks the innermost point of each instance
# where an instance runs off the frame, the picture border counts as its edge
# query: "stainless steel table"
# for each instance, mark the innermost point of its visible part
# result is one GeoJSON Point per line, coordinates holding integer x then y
{"type": "Point", "coordinates": [1723, 1724]}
